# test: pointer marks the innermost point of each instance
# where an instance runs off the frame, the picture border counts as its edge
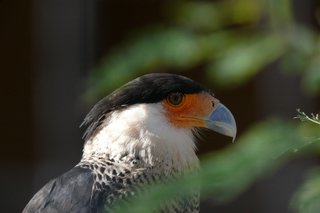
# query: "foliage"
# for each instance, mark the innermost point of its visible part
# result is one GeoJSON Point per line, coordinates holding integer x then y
{"type": "Point", "coordinates": [263, 149]}
{"type": "Point", "coordinates": [306, 200]}
{"type": "Point", "coordinates": [233, 41]}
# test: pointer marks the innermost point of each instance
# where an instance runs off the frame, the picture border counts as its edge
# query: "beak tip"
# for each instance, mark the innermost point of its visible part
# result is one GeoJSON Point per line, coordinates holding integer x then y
{"type": "Point", "coordinates": [234, 137]}
{"type": "Point", "coordinates": [231, 131]}
{"type": "Point", "coordinates": [222, 121]}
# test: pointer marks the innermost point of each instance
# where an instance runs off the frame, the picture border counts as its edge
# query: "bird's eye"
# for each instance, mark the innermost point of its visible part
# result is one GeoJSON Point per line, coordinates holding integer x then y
{"type": "Point", "coordinates": [175, 98]}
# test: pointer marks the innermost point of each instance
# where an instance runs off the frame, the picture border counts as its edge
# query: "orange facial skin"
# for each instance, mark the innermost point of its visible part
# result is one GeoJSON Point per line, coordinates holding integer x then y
{"type": "Point", "coordinates": [192, 111]}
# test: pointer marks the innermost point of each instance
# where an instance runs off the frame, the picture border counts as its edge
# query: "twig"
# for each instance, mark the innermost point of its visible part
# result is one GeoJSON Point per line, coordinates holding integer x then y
{"type": "Point", "coordinates": [304, 117]}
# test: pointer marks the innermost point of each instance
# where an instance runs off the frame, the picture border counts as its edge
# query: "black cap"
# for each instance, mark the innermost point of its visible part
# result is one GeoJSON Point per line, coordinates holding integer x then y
{"type": "Point", "coordinates": [149, 88]}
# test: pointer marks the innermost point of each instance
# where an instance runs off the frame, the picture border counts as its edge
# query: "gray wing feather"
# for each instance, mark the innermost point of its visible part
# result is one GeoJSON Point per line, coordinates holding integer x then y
{"type": "Point", "coordinates": [71, 192]}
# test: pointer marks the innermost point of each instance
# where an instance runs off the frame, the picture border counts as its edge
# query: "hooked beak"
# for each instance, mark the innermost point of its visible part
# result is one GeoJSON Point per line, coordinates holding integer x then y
{"type": "Point", "coordinates": [222, 121]}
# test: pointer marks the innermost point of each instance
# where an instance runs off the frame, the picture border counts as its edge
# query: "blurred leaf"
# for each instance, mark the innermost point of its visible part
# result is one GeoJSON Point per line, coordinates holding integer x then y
{"type": "Point", "coordinates": [302, 39]}
{"type": "Point", "coordinates": [226, 174]}
{"type": "Point", "coordinates": [311, 80]}
{"type": "Point", "coordinates": [198, 15]}
{"type": "Point", "coordinates": [262, 149]}
{"type": "Point", "coordinates": [208, 16]}
{"type": "Point", "coordinates": [163, 48]}
{"type": "Point", "coordinates": [234, 53]}
{"type": "Point", "coordinates": [307, 199]}
{"type": "Point", "coordinates": [244, 60]}
{"type": "Point", "coordinates": [301, 48]}
{"type": "Point", "coordinates": [279, 14]}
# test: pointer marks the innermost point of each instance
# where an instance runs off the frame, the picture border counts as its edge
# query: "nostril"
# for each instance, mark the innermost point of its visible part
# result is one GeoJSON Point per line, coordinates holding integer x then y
{"type": "Point", "coordinates": [213, 104]}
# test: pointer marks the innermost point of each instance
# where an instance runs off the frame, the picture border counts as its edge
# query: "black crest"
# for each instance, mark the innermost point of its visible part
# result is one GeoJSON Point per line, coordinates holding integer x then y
{"type": "Point", "coordinates": [150, 88]}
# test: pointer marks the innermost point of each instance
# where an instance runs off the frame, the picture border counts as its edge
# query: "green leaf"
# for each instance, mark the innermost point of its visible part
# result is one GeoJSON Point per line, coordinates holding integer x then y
{"type": "Point", "coordinates": [307, 199]}
{"type": "Point", "coordinates": [209, 16]}
{"type": "Point", "coordinates": [311, 78]}
{"type": "Point", "coordinates": [242, 61]}
{"type": "Point", "coordinates": [279, 14]}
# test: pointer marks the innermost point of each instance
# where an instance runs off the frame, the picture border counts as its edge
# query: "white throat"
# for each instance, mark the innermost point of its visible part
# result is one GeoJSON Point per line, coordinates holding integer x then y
{"type": "Point", "coordinates": [143, 130]}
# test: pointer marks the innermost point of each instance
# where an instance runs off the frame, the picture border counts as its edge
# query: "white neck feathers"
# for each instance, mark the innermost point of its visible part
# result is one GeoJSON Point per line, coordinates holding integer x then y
{"type": "Point", "coordinates": [143, 130]}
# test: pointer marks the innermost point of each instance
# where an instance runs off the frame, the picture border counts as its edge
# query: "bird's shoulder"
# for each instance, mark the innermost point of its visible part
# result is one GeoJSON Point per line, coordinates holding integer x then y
{"type": "Point", "coordinates": [89, 187]}
{"type": "Point", "coordinates": [70, 192]}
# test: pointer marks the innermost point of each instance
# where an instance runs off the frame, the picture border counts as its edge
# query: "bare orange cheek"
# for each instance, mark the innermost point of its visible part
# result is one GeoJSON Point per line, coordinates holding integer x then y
{"type": "Point", "coordinates": [187, 115]}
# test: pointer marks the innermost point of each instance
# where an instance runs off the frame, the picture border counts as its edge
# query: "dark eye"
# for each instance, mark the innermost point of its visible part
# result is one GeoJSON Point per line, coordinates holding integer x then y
{"type": "Point", "coordinates": [175, 98]}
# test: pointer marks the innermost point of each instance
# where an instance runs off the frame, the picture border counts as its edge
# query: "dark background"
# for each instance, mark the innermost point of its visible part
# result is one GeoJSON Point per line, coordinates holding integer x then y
{"type": "Point", "coordinates": [48, 50]}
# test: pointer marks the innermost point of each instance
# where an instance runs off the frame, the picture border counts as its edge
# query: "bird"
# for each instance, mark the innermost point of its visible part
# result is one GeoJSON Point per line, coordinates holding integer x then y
{"type": "Point", "coordinates": [142, 133]}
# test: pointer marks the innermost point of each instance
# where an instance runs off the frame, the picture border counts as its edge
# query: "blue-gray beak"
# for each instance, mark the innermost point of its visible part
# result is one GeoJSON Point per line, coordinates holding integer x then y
{"type": "Point", "coordinates": [222, 121]}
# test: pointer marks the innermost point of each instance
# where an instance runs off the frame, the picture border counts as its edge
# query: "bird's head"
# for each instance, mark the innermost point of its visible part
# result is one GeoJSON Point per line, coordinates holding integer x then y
{"type": "Point", "coordinates": [166, 106]}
